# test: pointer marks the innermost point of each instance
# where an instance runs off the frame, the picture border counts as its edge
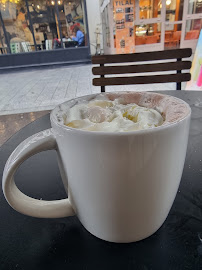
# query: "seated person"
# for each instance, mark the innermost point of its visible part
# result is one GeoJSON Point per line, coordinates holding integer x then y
{"type": "Point", "coordinates": [78, 36]}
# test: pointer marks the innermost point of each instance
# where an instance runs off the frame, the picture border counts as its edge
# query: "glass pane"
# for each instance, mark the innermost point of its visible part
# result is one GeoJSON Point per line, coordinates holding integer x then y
{"type": "Point", "coordinates": [43, 18]}
{"type": "Point", "coordinates": [172, 36]}
{"type": "Point", "coordinates": [147, 34]}
{"type": "Point", "coordinates": [174, 10]}
{"type": "Point", "coordinates": [124, 14]}
{"type": "Point", "coordinates": [71, 14]}
{"type": "Point", "coordinates": [149, 9]}
{"type": "Point", "coordinates": [17, 26]}
{"type": "Point", "coordinates": [194, 6]}
{"type": "Point", "coordinates": [193, 28]}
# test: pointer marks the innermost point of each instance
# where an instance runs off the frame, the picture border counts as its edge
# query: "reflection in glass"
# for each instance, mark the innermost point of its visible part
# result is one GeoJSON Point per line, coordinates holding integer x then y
{"type": "Point", "coordinates": [17, 26]}
{"type": "Point", "coordinates": [147, 34]}
{"type": "Point", "coordinates": [173, 36]}
{"type": "Point", "coordinates": [193, 28]}
{"type": "Point", "coordinates": [149, 9]}
{"type": "Point", "coordinates": [194, 6]}
{"type": "Point", "coordinates": [174, 10]}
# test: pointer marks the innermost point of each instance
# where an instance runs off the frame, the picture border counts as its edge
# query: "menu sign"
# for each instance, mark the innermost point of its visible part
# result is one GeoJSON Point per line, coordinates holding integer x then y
{"type": "Point", "coordinates": [124, 26]}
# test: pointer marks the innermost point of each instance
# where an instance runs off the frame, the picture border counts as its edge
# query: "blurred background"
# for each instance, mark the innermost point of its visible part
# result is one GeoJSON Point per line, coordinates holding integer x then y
{"type": "Point", "coordinates": [43, 27]}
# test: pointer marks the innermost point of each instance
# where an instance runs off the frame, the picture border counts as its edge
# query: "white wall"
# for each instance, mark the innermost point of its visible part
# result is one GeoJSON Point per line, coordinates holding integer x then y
{"type": "Point", "coordinates": [94, 23]}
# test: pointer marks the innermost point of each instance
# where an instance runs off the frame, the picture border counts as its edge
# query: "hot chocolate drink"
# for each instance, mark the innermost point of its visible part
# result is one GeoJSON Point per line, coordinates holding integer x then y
{"type": "Point", "coordinates": [123, 112]}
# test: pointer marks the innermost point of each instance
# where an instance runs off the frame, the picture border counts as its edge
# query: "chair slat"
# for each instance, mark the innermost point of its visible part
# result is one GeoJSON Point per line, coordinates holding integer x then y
{"type": "Point", "coordinates": [146, 56]}
{"type": "Point", "coordinates": [181, 77]}
{"type": "Point", "coordinates": [141, 68]}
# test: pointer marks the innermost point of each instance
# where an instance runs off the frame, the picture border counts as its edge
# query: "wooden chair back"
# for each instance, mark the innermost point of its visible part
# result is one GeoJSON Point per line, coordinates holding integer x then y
{"type": "Point", "coordinates": [168, 35]}
{"type": "Point", "coordinates": [172, 65]}
{"type": "Point", "coordinates": [151, 39]}
{"type": "Point", "coordinates": [140, 40]}
{"type": "Point", "coordinates": [193, 34]}
{"type": "Point", "coordinates": [177, 35]}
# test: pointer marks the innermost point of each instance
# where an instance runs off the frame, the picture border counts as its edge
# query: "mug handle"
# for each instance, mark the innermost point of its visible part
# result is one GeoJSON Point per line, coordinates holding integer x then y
{"type": "Point", "coordinates": [42, 141]}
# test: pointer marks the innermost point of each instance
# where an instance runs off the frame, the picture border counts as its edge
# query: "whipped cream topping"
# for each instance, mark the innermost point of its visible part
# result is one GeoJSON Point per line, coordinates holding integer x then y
{"type": "Point", "coordinates": [103, 114]}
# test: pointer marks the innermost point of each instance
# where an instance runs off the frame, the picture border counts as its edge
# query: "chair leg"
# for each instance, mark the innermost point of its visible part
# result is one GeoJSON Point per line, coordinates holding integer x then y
{"type": "Point", "coordinates": [102, 76]}
{"type": "Point", "coordinates": [102, 89]}
{"type": "Point", "coordinates": [179, 86]}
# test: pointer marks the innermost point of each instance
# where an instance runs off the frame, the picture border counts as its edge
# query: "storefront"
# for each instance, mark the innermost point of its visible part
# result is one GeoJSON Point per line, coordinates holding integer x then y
{"type": "Point", "coordinates": [40, 32]}
{"type": "Point", "coordinates": [149, 25]}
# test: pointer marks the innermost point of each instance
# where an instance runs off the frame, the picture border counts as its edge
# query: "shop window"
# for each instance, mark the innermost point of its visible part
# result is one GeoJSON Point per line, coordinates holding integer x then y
{"type": "Point", "coordinates": [48, 29]}
{"type": "Point", "coordinates": [172, 36]}
{"type": "Point", "coordinates": [147, 34]}
{"type": "Point", "coordinates": [149, 9]}
{"type": "Point", "coordinates": [174, 10]}
{"type": "Point", "coordinates": [17, 26]}
{"type": "Point", "coordinates": [194, 6]}
{"type": "Point", "coordinates": [71, 14]}
{"type": "Point", "coordinates": [193, 28]}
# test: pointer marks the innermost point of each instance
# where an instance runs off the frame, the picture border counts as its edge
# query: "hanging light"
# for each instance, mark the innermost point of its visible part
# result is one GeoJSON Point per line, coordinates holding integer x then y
{"type": "Point", "coordinates": [59, 2]}
{"type": "Point", "coordinates": [38, 6]}
{"type": "Point", "coordinates": [4, 6]}
{"type": "Point", "coordinates": [168, 2]}
{"type": "Point", "coordinates": [53, 3]}
{"type": "Point", "coordinates": [3, 2]}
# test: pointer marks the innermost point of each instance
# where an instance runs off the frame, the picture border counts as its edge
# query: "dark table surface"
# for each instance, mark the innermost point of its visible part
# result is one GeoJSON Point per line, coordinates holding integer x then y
{"type": "Point", "coordinates": [70, 43]}
{"type": "Point", "coordinates": [31, 243]}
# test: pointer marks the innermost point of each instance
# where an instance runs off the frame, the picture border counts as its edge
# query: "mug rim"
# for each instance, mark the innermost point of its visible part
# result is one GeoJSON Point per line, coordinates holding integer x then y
{"type": "Point", "coordinates": [117, 133]}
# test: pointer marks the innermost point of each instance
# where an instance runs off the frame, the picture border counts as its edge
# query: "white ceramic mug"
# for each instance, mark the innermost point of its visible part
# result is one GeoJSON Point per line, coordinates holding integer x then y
{"type": "Point", "coordinates": [120, 185]}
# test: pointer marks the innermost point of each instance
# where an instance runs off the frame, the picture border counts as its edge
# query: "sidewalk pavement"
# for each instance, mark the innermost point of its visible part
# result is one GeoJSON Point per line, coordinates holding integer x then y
{"type": "Point", "coordinates": [42, 89]}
